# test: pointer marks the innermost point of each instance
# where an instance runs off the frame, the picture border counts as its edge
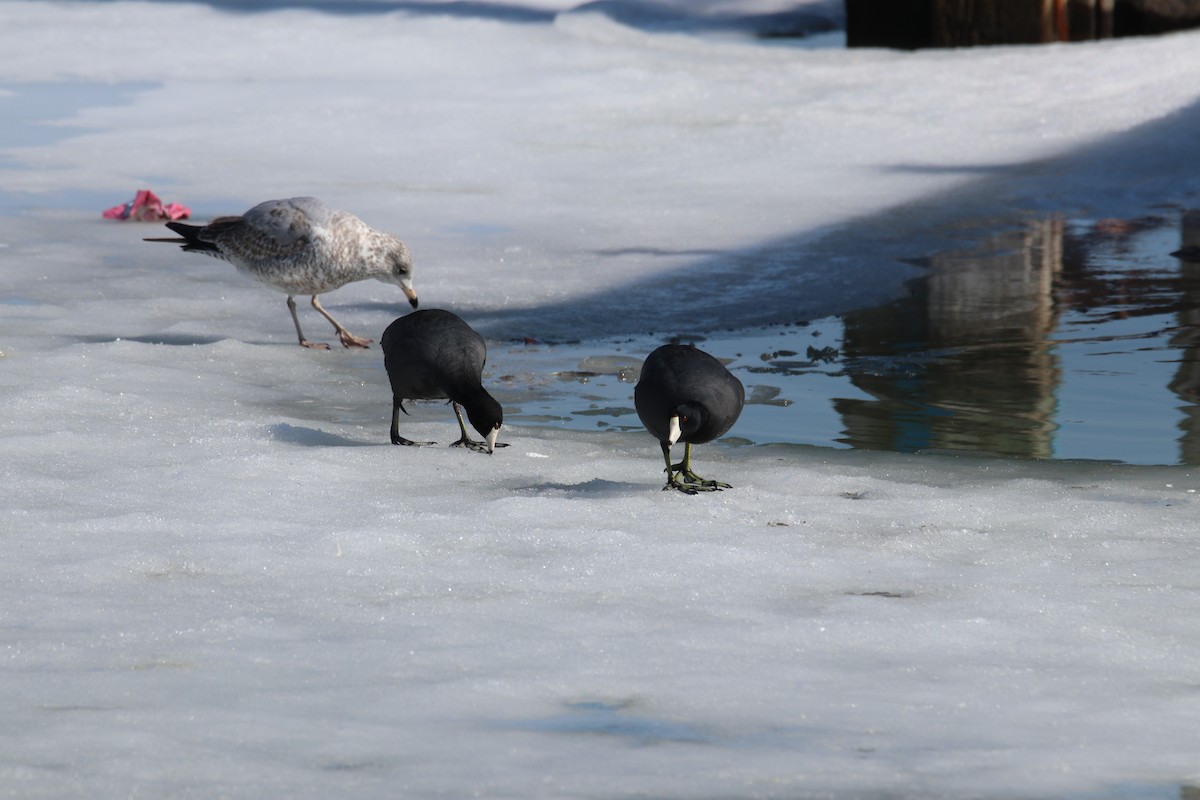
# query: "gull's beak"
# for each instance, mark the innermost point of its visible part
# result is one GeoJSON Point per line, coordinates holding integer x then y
{"type": "Point", "coordinates": [491, 439]}
{"type": "Point", "coordinates": [673, 434]}
{"type": "Point", "coordinates": [409, 292]}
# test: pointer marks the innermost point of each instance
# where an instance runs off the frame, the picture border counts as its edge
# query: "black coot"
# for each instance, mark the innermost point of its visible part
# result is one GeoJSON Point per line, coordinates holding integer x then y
{"type": "Point", "coordinates": [686, 395]}
{"type": "Point", "coordinates": [434, 355]}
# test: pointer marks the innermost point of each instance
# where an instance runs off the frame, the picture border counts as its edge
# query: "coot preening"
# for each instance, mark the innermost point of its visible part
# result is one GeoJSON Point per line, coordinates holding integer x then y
{"type": "Point", "coordinates": [434, 355]}
{"type": "Point", "coordinates": [302, 246]}
{"type": "Point", "coordinates": [686, 395]}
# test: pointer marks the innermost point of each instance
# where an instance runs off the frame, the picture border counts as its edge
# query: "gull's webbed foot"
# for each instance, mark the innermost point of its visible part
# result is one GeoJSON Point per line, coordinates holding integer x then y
{"type": "Point", "coordinates": [348, 339]}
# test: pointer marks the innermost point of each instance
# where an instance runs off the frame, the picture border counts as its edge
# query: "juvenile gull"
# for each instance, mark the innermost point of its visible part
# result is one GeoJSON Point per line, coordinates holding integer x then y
{"type": "Point", "coordinates": [686, 395]}
{"type": "Point", "coordinates": [434, 355]}
{"type": "Point", "coordinates": [302, 246]}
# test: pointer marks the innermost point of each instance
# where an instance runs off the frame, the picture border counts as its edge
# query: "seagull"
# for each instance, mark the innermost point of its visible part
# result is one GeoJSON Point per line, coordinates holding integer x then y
{"type": "Point", "coordinates": [302, 246]}
{"type": "Point", "coordinates": [686, 395]}
{"type": "Point", "coordinates": [434, 355]}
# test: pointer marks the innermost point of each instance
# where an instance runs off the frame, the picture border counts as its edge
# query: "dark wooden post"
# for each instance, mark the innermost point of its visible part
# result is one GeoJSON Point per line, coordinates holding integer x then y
{"type": "Point", "coordinates": [966, 23]}
{"type": "Point", "coordinates": [1087, 19]}
{"type": "Point", "coordinates": [900, 24]}
{"type": "Point", "coordinates": [911, 24]}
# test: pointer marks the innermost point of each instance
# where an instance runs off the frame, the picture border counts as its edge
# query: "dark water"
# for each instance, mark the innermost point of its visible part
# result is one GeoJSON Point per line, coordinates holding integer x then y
{"type": "Point", "coordinates": [1053, 338]}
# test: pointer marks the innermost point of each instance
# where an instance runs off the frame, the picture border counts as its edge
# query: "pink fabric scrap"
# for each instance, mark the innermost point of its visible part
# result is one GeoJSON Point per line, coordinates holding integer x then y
{"type": "Point", "coordinates": [146, 207]}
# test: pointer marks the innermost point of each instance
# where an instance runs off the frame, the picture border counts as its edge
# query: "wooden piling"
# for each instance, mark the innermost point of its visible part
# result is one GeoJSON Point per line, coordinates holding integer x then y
{"type": "Point", "coordinates": [913, 24]}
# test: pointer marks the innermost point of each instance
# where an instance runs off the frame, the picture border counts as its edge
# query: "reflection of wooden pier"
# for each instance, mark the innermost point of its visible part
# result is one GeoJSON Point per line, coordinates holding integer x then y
{"type": "Point", "coordinates": [967, 361]}
{"type": "Point", "coordinates": [1186, 384]}
{"type": "Point", "coordinates": [992, 387]}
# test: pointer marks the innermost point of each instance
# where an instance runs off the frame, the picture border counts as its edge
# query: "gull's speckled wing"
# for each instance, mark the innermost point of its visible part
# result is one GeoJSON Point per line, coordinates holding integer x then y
{"type": "Point", "coordinates": [269, 232]}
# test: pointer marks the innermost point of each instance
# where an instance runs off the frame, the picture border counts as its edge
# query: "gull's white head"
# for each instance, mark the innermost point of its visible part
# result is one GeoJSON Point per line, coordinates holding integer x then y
{"type": "Point", "coordinates": [400, 269]}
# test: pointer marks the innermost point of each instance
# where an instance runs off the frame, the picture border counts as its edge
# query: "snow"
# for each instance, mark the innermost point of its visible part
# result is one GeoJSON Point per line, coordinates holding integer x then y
{"type": "Point", "coordinates": [219, 579]}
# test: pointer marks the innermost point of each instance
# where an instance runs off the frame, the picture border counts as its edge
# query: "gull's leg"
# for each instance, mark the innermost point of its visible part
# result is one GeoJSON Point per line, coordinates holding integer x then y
{"type": "Point", "coordinates": [299, 333]}
{"type": "Point", "coordinates": [347, 338]}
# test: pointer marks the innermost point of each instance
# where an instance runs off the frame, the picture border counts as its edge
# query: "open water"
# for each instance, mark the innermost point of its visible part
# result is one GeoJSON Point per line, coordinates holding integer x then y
{"type": "Point", "coordinates": [1052, 338]}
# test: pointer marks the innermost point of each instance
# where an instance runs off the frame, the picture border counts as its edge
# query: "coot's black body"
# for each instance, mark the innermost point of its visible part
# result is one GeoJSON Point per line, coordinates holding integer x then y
{"type": "Point", "coordinates": [434, 355]}
{"type": "Point", "coordinates": [686, 395]}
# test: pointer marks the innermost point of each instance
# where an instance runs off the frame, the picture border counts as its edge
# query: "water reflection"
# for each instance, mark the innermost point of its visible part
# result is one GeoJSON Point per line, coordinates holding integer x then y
{"type": "Point", "coordinates": [1020, 346]}
{"type": "Point", "coordinates": [1050, 338]}
{"type": "Point", "coordinates": [964, 361]}
{"type": "Point", "coordinates": [1186, 383]}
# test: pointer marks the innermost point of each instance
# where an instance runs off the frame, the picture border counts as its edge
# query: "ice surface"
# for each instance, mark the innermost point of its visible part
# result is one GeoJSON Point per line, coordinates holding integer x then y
{"type": "Point", "coordinates": [218, 579]}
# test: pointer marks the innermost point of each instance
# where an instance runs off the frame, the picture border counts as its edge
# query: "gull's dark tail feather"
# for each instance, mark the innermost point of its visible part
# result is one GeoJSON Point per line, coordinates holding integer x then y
{"type": "Point", "coordinates": [188, 238]}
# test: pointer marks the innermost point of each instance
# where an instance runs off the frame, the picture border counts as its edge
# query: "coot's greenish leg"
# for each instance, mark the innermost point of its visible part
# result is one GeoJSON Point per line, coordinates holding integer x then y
{"type": "Point", "coordinates": [396, 437]}
{"type": "Point", "coordinates": [684, 468]}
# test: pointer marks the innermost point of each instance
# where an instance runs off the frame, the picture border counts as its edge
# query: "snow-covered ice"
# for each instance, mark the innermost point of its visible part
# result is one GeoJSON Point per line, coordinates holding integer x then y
{"type": "Point", "coordinates": [217, 578]}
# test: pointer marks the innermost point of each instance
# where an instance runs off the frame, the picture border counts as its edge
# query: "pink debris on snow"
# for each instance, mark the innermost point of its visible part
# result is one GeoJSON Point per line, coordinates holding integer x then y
{"type": "Point", "coordinates": [146, 207]}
